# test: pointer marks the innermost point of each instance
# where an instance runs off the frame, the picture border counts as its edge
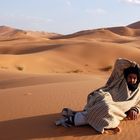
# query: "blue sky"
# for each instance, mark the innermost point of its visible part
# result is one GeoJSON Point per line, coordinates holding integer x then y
{"type": "Point", "coordinates": [68, 16]}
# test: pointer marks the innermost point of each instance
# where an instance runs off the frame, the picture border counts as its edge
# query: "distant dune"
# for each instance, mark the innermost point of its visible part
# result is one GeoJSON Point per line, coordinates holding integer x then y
{"type": "Point", "coordinates": [10, 34]}
{"type": "Point", "coordinates": [86, 51]}
{"type": "Point", "coordinates": [135, 25]}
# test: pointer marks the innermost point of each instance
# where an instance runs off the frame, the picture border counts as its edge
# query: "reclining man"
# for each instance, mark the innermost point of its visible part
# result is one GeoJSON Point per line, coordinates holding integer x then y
{"type": "Point", "coordinates": [108, 105]}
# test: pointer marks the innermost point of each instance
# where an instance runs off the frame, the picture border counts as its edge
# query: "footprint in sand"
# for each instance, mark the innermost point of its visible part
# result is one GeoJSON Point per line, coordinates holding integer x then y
{"type": "Point", "coordinates": [28, 93]}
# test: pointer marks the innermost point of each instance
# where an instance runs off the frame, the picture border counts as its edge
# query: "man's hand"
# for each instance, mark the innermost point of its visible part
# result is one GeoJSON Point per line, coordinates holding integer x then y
{"type": "Point", "coordinates": [132, 114]}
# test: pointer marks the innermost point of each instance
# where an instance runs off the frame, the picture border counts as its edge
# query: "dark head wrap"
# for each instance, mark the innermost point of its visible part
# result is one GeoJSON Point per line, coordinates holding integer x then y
{"type": "Point", "coordinates": [132, 70]}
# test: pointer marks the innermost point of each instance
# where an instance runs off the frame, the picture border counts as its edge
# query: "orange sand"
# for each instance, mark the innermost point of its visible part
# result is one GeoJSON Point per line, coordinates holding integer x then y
{"type": "Point", "coordinates": [40, 73]}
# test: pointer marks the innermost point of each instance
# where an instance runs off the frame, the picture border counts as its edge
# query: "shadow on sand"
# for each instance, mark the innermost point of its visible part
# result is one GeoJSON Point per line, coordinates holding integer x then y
{"type": "Point", "coordinates": [40, 127]}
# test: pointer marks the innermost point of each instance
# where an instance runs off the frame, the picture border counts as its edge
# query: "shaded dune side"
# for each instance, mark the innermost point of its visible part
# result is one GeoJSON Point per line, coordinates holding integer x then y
{"type": "Point", "coordinates": [14, 80]}
{"type": "Point", "coordinates": [135, 25]}
{"type": "Point", "coordinates": [98, 33]}
{"type": "Point", "coordinates": [125, 31]}
{"type": "Point", "coordinates": [28, 49]}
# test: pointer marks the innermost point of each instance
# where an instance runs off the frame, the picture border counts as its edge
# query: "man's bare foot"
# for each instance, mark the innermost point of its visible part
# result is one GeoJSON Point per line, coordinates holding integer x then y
{"type": "Point", "coordinates": [112, 131]}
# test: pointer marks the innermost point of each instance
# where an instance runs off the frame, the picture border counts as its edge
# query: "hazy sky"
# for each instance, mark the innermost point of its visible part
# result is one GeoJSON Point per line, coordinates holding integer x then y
{"type": "Point", "coordinates": [68, 16]}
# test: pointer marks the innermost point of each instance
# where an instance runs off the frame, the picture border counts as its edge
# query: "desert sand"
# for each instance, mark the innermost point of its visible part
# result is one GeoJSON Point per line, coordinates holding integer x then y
{"type": "Point", "coordinates": [41, 73]}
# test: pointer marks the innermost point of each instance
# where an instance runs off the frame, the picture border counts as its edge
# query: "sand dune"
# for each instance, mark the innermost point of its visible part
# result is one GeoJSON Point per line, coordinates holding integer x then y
{"type": "Point", "coordinates": [123, 31]}
{"type": "Point", "coordinates": [57, 58]}
{"type": "Point", "coordinates": [89, 48]}
{"type": "Point", "coordinates": [10, 34]}
{"type": "Point", "coordinates": [135, 25]}
{"type": "Point", "coordinates": [40, 73]}
{"type": "Point", "coordinates": [108, 35]}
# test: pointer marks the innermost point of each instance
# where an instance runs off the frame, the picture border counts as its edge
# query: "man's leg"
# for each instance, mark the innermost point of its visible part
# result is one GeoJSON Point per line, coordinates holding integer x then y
{"type": "Point", "coordinates": [72, 118]}
{"type": "Point", "coordinates": [80, 118]}
{"type": "Point", "coordinates": [76, 118]}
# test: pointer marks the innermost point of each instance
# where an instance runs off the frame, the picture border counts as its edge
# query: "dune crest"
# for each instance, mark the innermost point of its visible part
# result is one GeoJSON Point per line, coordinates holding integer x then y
{"type": "Point", "coordinates": [10, 34]}
{"type": "Point", "coordinates": [135, 25]}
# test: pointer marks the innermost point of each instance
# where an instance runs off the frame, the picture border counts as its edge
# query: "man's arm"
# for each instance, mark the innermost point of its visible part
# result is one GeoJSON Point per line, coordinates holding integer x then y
{"type": "Point", "coordinates": [119, 67]}
{"type": "Point", "coordinates": [134, 112]}
{"type": "Point", "coordinates": [137, 107]}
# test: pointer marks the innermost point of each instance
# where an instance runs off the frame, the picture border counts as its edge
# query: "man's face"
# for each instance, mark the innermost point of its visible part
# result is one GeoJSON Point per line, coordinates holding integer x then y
{"type": "Point", "coordinates": [132, 79]}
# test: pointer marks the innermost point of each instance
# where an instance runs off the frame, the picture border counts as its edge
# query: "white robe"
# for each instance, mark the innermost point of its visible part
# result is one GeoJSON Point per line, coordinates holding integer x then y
{"type": "Point", "coordinates": [106, 106]}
